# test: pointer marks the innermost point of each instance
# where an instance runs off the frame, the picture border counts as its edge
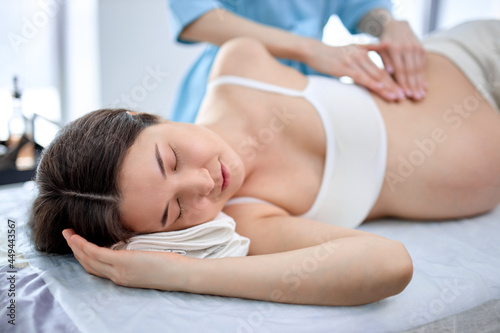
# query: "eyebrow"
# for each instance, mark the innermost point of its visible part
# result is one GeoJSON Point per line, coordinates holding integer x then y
{"type": "Point", "coordinates": [160, 161]}
{"type": "Point", "coordinates": [162, 169]}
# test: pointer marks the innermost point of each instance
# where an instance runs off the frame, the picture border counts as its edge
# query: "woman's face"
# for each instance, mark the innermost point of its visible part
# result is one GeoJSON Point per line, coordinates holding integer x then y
{"type": "Point", "coordinates": [175, 176]}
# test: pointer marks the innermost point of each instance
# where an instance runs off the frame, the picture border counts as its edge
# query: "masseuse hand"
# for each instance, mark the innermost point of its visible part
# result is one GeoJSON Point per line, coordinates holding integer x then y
{"type": "Point", "coordinates": [404, 58]}
{"type": "Point", "coordinates": [140, 269]}
{"type": "Point", "coordinates": [353, 61]}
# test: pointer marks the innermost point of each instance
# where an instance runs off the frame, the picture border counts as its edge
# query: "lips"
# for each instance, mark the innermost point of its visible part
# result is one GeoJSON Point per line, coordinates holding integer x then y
{"type": "Point", "coordinates": [226, 177]}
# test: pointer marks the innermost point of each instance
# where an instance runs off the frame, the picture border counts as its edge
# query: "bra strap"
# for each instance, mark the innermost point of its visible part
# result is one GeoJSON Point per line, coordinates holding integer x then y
{"type": "Point", "coordinates": [244, 200]}
{"type": "Point", "coordinates": [250, 83]}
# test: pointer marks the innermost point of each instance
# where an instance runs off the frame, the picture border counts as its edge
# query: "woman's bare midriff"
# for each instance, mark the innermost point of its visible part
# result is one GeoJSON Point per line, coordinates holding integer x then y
{"type": "Point", "coordinates": [443, 152]}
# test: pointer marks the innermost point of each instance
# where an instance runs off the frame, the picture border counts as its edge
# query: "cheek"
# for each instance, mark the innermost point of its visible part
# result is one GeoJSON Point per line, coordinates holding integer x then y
{"type": "Point", "coordinates": [200, 204]}
{"type": "Point", "coordinates": [202, 148]}
{"type": "Point", "coordinates": [202, 210]}
{"type": "Point", "coordinates": [203, 142]}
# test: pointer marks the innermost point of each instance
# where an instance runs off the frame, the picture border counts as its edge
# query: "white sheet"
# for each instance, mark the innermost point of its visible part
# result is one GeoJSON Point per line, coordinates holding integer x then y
{"type": "Point", "coordinates": [456, 267]}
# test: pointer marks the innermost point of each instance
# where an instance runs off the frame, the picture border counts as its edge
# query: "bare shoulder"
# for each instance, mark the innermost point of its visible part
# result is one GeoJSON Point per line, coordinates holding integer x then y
{"type": "Point", "coordinates": [238, 56]}
{"type": "Point", "coordinates": [249, 58]}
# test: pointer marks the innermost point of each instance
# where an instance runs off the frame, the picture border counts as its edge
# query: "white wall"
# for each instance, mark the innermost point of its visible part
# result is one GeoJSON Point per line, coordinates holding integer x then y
{"type": "Point", "coordinates": [28, 49]}
{"type": "Point", "coordinates": [416, 12]}
{"type": "Point", "coordinates": [135, 42]}
{"type": "Point", "coordinates": [79, 53]}
{"type": "Point", "coordinates": [453, 12]}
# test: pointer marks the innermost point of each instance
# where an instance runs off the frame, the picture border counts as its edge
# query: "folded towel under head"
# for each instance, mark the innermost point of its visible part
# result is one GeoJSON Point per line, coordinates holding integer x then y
{"type": "Point", "coordinates": [213, 239]}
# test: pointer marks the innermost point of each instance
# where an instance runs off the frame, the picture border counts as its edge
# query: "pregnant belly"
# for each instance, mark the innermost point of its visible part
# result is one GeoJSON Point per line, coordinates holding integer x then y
{"type": "Point", "coordinates": [443, 152]}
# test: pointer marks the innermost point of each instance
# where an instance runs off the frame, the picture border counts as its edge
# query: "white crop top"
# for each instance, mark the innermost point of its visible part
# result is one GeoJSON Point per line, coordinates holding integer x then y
{"type": "Point", "coordinates": [356, 147]}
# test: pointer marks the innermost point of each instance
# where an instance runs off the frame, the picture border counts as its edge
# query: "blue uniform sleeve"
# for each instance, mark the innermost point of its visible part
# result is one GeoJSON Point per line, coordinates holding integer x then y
{"type": "Point", "coordinates": [183, 12]}
{"type": "Point", "coordinates": [351, 12]}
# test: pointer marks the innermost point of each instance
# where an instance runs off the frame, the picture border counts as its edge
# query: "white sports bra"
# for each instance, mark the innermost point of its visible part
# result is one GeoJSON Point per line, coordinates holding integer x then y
{"type": "Point", "coordinates": [356, 147]}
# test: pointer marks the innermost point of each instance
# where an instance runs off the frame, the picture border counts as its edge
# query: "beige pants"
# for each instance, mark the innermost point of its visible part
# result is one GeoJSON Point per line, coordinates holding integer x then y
{"type": "Point", "coordinates": [475, 48]}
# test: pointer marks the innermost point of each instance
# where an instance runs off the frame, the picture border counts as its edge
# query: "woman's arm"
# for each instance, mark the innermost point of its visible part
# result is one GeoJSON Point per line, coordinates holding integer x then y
{"type": "Point", "coordinates": [344, 267]}
{"type": "Point", "coordinates": [346, 271]}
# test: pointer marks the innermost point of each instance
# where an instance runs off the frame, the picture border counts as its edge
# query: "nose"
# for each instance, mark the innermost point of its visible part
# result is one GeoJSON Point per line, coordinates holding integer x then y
{"type": "Point", "coordinates": [196, 182]}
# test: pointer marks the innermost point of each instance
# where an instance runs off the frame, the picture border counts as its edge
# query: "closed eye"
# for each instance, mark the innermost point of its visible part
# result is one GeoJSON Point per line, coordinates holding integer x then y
{"type": "Point", "coordinates": [176, 153]}
{"type": "Point", "coordinates": [181, 210]}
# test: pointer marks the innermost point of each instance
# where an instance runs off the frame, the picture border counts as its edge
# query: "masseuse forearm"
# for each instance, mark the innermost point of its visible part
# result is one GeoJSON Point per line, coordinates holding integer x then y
{"type": "Point", "coordinates": [347, 271]}
{"type": "Point", "coordinates": [218, 26]}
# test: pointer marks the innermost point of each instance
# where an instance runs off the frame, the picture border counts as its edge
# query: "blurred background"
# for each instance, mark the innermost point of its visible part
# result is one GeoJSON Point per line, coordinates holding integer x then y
{"type": "Point", "coordinates": [75, 56]}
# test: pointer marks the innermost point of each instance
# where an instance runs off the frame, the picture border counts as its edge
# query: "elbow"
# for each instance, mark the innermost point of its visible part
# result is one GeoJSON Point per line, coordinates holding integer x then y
{"type": "Point", "coordinates": [399, 268]}
{"type": "Point", "coordinates": [388, 273]}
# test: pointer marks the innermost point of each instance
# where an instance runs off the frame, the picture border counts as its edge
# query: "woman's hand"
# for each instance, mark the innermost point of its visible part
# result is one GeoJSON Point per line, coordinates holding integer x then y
{"type": "Point", "coordinates": [404, 58]}
{"type": "Point", "coordinates": [140, 269]}
{"type": "Point", "coordinates": [353, 61]}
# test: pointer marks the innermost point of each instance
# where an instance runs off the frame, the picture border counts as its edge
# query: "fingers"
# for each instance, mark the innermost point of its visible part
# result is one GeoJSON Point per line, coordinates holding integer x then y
{"type": "Point", "coordinates": [353, 61]}
{"type": "Point", "coordinates": [90, 256]}
{"type": "Point", "coordinates": [364, 72]}
{"type": "Point", "coordinates": [404, 57]}
{"type": "Point", "coordinates": [409, 71]}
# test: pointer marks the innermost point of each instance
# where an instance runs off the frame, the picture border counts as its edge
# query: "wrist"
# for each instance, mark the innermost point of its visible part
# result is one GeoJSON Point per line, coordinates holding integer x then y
{"type": "Point", "coordinates": [375, 22]}
{"type": "Point", "coordinates": [177, 272]}
{"type": "Point", "coordinates": [307, 49]}
{"type": "Point", "coordinates": [394, 26]}
{"type": "Point", "coordinates": [293, 47]}
{"type": "Point", "coordinates": [192, 275]}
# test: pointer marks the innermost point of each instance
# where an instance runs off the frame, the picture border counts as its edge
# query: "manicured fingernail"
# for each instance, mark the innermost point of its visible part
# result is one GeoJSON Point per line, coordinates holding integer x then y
{"type": "Point", "coordinates": [408, 93]}
{"type": "Point", "coordinates": [391, 96]}
{"type": "Point", "coordinates": [422, 92]}
{"type": "Point", "coordinates": [417, 95]}
{"type": "Point", "coordinates": [389, 69]}
{"type": "Point", "coordinates": [401, 94]}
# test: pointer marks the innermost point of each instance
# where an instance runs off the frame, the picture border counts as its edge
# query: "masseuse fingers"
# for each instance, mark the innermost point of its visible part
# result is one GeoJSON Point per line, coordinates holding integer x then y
{"type": "Point", "coordinates": [409, 72]}
{"type": "Point", "coordinates": [413, 72]}
{"type": "Point", "coordinates": [360, 73]}
{"type": "Point", "coordinates": [400, 70]}
{"type": "Point", "coordinates": [391, 90]}
{"type": "Point", "coordinates": [408, 69]}
{"type": "Point", "coordinates": [389, 68]}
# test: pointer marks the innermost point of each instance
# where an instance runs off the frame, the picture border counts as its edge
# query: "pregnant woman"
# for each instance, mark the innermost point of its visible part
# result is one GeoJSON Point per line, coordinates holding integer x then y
{"type": "Point", "coordinates": [297, 161]}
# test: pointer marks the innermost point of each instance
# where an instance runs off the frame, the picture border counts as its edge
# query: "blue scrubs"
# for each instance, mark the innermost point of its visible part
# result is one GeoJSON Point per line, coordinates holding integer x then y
{"type": "Point", "coordinates": [302, 17]}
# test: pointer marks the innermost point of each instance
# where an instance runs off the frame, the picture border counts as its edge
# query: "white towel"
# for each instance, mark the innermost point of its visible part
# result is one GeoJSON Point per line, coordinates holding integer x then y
{"type": "Point", "coordinates": [213, 239]}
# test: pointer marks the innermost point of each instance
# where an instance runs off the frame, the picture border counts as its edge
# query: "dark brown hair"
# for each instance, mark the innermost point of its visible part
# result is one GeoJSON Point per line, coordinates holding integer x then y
{"type": "Point", "coordinates": [77, 179]}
